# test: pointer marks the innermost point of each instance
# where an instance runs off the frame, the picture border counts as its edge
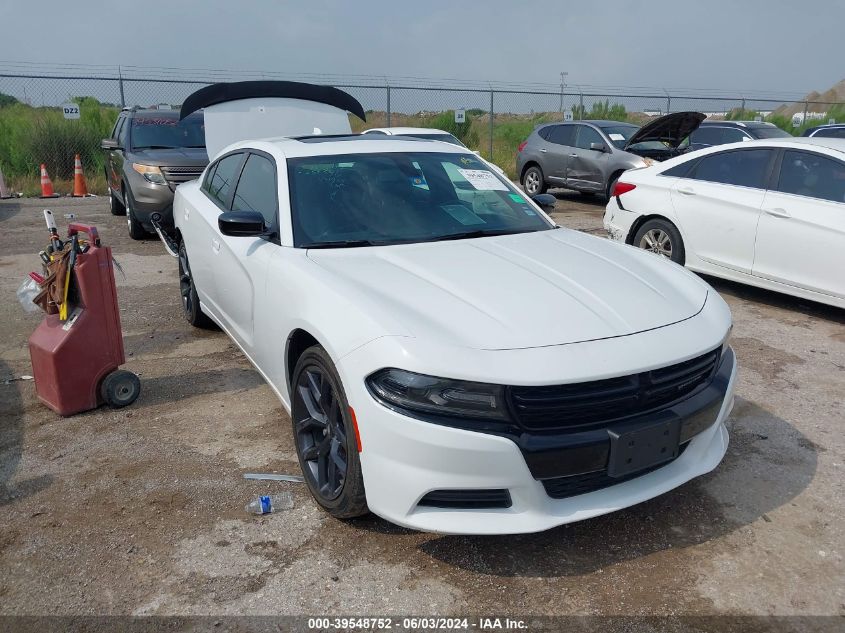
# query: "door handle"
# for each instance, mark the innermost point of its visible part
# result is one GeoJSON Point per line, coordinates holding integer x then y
{"type": "Point", "coordinates": [687, 191]}
{"type": "Point", "coordinates": [543, 149]}
{"type": "Point", "coordinates": [215, 244]}
{"type": "Point", "coordinates": [779, 213]}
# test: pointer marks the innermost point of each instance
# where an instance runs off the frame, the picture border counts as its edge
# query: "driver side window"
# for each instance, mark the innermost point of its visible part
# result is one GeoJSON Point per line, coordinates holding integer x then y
{"type": "Point", "coordinates": [257, 190]}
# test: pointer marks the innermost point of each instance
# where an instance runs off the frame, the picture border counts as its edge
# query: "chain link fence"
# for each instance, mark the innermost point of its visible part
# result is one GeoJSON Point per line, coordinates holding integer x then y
{"type": "Point", "coordinates": [34, 130]}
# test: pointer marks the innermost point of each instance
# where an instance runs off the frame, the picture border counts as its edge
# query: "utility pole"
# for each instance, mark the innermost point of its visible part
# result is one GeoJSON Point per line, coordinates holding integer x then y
{"type": "Point", "coordinates": [563, 76]}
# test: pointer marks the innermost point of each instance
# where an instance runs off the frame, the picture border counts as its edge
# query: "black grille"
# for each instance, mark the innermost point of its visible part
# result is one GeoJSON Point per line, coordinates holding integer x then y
{"type": "Point", "coordinates": [179, 174]}
{"type": "Point", "coordinates": [586, 404]}
{"type": "Point", "coordinates": [467, 499]}
{"type": "Point", "coordinates": [563, 487]}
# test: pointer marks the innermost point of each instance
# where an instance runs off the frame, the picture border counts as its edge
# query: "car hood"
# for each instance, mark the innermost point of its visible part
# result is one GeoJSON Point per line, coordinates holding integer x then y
{"type": "Point", "coordinates": [671, 129]}
{"type": "Point", "coordinates": [516, 291]}
{"type": "Point", "coordinates": [177, 156]}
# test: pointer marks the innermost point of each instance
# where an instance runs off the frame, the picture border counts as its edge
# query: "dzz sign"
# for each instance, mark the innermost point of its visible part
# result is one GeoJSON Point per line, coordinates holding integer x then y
{"type": "Point", "coordinates": [460, 116]}
{"type": "Point", "coordinates": [567, 115]}
{"type": "Point", "coordinates": [71, 110]}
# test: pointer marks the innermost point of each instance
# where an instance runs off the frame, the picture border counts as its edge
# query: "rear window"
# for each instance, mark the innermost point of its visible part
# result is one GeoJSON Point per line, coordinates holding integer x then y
{"type": "Point", "coordinates": [769, 132]}
{"type": "Point", "coordinates": [562, 135]}
{"type": "Point", "coordinates": [834, 132]}
{"type": "Point", "coordinates": [159, 131]}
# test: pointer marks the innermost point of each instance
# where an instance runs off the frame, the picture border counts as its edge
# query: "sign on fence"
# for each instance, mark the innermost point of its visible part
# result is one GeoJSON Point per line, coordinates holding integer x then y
{"type": "Point", "coordinates": [460, 116]}
{"type": "Point", "coordinates": [567, 115]}
{"type": "Point", "coordinates": [71, 110]}
{"type": "Point", "coordinates": [831, 121]}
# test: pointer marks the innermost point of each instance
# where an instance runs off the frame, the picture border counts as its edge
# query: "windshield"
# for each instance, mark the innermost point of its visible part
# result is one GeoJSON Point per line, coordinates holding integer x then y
{"type": "Point", "coordinates": [156, 131]}
{"type": "Point", "coordinates": [769, 132]}
{"type": "Point", "coordinates": [376, 199]}
{"type": "Point", "coordinates": [619, 134]}
{"type": "Point", "coordinates": [448, 138]}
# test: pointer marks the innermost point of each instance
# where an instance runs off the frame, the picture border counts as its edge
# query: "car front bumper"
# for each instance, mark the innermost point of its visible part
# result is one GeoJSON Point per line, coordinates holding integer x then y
{"type": "Point", "coordinates": [150, 198]}
{"type": "Point", "coordinates": [403, 459]}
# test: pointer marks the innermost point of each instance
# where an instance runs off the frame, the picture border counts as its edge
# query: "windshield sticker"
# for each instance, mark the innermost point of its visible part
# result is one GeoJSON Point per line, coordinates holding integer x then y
{"type": "Point", "coordinates": [615, 136]}
{"type": "Point", "coordinates": [517, 198]}
{"type": "Point", "coordinates": [483, 180]}
{"type": "Point", "coordinates": [419, 182]}
{"type": "Point", "coordinates": [462, 214]}
{"type": "Point", "coordinates": [528, 210]}
{"type": "Point", "coordinates": [466, 160]}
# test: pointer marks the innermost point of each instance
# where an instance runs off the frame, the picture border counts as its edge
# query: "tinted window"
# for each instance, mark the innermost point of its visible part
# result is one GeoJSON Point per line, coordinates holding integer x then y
{"type": "Point", "coordinates": [745, 168]}
{"type": "Point", "coordinates": [257, 188]}
{"type": "Point", "coordinates": [223, 179]}
{"type": "Point", "coordinates": [159, 130]}
{"type": "Point", "coordinates": [769, 132]}
{"type": "Point", "coordinates": [544, 132]}
{"type": "Point", "coordinates": [365, 199]}
{"type": "Point", "coordinates": [716, 136]}
{"type": "Point", "coordinates": [562, 135]}
{"type": "Point", "coordinates": [834, 132]}
{"type": "Point", "coordinates": [121, 132]}
{"type": "Point", "coordinates": [812, 175]}
{"type": "Point", "coordinates": [117, 125]}
{"type": "Point", "coordinates": [679, 171]}
{"type": "Point", "coordinates": [587, 135]}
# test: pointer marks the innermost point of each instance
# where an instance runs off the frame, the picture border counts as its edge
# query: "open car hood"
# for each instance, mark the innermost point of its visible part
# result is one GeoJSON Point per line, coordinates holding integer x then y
{"type": "Point", "coordinates": [671, 129]}
{"type": "Point", "coordinates": [248, 110]}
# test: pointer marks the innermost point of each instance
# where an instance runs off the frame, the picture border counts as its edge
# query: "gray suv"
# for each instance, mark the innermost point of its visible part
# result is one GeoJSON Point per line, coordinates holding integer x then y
{"type": "Point", "coordinates": [589, 156]}
{"type": "Point", "coordinates": [151, 152]}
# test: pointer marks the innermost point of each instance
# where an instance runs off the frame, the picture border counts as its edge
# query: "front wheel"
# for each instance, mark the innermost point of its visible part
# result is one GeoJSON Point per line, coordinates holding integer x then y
{"type": "Point", "coordinates": [187, 288]}
{"type": "Point", "coordinates": [136, 229]}
{"type": "Point", "coordinates": [533, 181]}
{"type": "Point", "coordinates": [661, 237]}
{"type": "Point", "coordinates": [325, 436]}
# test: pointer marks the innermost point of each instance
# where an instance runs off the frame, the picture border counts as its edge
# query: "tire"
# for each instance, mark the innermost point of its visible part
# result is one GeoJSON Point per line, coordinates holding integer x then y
{"type": "Point", "coordinates": [533, 181]}
{"type": "Point", "coordinates": [190, 301]}
{"type": "Point", "coordinates": [120, 388]}
{"type": "Point", "coordinates": [325, 437]}
{"type": "Point", "coordinates": [115, 206]}
{"type": "Point", "coordinates": [136, 229]}
{"type": "Point", "coordinates": [662, 238]}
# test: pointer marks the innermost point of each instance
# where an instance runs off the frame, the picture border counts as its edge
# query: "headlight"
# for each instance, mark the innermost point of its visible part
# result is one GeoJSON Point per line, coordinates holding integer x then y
{"type": "Point", "coordinates": [440, 396]}
{"type": "Point", "coordinates": [150, 172]}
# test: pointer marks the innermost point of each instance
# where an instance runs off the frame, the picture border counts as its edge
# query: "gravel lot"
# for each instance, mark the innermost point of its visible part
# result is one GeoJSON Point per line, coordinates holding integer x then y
{"type": "Point", "coordinates": [140, 511]}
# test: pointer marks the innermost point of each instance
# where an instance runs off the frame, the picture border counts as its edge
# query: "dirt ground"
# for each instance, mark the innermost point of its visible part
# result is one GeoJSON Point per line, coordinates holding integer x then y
{"type": "Point", "coordinates": [141, 510]}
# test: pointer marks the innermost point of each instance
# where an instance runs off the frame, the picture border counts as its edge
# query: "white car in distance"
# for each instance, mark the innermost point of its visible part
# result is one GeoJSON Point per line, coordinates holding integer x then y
{"type": "Point", "coordinates": [769, 213]}
{"type": "Point", "coordinates": [451, 360]}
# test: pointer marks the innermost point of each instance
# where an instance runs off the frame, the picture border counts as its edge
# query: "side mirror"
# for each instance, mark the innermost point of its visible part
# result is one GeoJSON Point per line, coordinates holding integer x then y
{"type": "Point", "coordinates": [109, 144]}
{"type": "Point", "coordinates": [599, 147]}
{"type": "Point", "coordinates": [544, 200]}
{"type": "Point", "coordinates": [242, 223]}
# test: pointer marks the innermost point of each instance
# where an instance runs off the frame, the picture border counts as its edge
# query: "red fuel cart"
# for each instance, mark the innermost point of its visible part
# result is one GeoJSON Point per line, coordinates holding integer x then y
{"type": "Point", "coordinates": [75, 361]}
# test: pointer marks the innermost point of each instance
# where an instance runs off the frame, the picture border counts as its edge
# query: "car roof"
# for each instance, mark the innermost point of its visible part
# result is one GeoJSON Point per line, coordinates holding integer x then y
{"type": "Point", "coordinates": [796, 142]}
{"type": "Point", "coordinates": [748, 124]}
{"type": "Point", "coordinates": [326, 145]}
{"type": "Point", "coordinates": [596, 122]}
{"type": "Point", "coordinates": [408, 130]}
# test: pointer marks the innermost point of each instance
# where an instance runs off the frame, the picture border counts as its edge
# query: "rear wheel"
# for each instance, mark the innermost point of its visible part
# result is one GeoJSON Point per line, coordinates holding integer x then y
{"type": "Point", "coordinates": [190, 301]}
{"type": "Point", "coordinates": [661, 238]}
{"type": "Point", "coordinates": [325, 437]}
{"type": "Point", "coordinates": [533, 181]}
{"type": "Point", "coordinates": [115, 206]}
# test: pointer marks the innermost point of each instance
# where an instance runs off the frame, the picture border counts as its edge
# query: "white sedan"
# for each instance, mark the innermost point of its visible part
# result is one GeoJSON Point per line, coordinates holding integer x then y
{"type": "Point", "coordinates": [769, 213]}
{"type": "Point", "coordinates": [451, 360]}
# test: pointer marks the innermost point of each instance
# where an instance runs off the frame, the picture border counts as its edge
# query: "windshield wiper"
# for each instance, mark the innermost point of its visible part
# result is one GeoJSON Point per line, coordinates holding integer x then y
{"type": "Point", "coordinates": [342, 244]}
{"type": "Point", "coordinates": [479, 233]}
{"type": "Point", "coordinates": [154, 147]}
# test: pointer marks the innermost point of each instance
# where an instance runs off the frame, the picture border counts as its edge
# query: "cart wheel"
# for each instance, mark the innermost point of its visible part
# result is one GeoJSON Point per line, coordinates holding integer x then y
{"type": "Point", "coordinates": [120, 388]}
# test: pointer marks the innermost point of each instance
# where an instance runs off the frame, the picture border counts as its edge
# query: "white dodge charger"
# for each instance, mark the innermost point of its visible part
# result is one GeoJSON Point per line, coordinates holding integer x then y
{"type": "Point", "coordinates": [451, 359]}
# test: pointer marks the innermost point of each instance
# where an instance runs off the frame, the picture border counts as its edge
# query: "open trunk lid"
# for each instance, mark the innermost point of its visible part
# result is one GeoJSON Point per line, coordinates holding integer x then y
{"type": "Point", "coordinates": [247, 110]}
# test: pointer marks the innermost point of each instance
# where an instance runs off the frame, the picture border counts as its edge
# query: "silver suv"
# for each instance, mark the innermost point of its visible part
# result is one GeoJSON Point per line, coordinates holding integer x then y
{"type": "Point", "coordinates": [589, 156]}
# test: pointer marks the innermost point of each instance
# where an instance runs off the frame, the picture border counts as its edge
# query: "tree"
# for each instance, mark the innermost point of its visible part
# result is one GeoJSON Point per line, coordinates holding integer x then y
{"type": "Point", "coordinates": [7, 100]}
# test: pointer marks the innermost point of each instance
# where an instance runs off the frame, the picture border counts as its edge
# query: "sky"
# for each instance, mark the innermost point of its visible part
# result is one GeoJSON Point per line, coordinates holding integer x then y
{"type": "Point", "coordinates": [733, 46]}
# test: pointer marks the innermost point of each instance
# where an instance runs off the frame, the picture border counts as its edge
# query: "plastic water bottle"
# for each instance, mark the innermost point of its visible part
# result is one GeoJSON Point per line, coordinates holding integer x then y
{"type": "Point", "coordinates": [265, 504]}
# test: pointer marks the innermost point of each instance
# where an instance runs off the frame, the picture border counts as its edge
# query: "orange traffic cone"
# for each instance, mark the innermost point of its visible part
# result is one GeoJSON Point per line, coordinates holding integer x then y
{"type": "Point", "coordinates": [4, 190]}
{"type": "Point", "coordinates": [46, 184]}
{"type": "Point", "coordinates": [79, 188]}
